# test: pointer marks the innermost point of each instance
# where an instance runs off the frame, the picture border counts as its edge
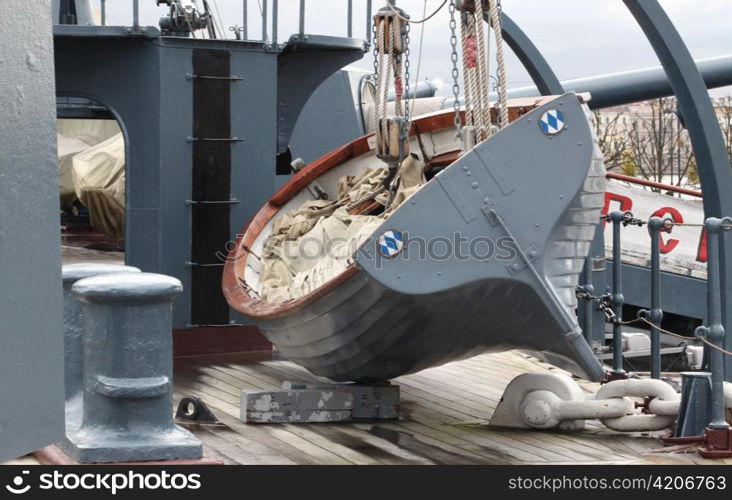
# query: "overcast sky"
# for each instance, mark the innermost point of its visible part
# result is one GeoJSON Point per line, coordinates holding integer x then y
{"type": "Point", "coordinates": [578, 37]}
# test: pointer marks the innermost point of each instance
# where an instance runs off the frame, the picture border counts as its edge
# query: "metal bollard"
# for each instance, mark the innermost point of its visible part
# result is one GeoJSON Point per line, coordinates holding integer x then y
{"type": "Point", "coordinates": [74, 331]}
{"type": "Point", "coordinates": [718, 434]}
{"type": "Point", "coordinates": [655, 315]}
{"type": "Point", "coordinates": [617, 297]}
{"type": "Point", "coordinates": [696, 391]}
{"type": "Point", "coordinates": [128, 363]}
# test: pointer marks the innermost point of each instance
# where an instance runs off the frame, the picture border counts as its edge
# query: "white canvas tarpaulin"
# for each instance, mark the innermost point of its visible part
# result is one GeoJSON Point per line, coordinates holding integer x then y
{"type": "Point", "coordinates": [100, 191]}
{"type": "Point", "coordinates": [99, 182]}
{"type": "Point", "coordinates": [313, 244]}
{"type": "Point", "coordinates": [68, 147]}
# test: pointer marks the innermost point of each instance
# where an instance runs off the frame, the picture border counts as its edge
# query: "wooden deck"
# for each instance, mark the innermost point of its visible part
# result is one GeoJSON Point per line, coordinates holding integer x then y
{"type": "Point", "coordinates": [444, 415]}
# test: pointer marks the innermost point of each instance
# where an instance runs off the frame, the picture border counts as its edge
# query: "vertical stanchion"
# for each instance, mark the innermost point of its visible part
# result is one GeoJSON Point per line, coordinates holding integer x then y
{"type": "Point", "coordinates": [583, 312]}
{"type": "Point", "coordinates": [302, 17]}
{"type": "Point", "coordinates": [368, 21]}
{"type": "Point", "coordinates": [618, 372]}
{"type": "Point", "coordinates": [350, 18]}
{"type": "Point", "coordinates": [264, 20]}
{"type": "Point", "coordinates": [275, 9]}
{"type": "Point", "coordinates": [104, 12]}
{"type": "Point", "coordinates": [719, 434]}
{"type": "Point", "coordinates": [655, 315]}
{"type": "Point", "coordinates": [245, 20]}
{"type": "Point", "coordinates": [136, 15]}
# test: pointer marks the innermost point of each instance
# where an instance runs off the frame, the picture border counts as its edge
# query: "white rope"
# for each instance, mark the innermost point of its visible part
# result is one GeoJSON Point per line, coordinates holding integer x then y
{"type": "Point", "coordinates": [388, 73]}
{"type": "Point", "coordinates": [467, 78]}
{"type": "Point", "coordinates": [379, 111]}
{"type": "Point", "coordinates": [396, 62]}
{"type": "Point", "coordinates": [484, 111]}
{"type": "Point", "coordinates": [495, 16]}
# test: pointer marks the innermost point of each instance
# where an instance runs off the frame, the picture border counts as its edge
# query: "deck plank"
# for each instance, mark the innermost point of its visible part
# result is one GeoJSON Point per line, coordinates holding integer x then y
{"type": "Point", "coordinates": [444, 418]}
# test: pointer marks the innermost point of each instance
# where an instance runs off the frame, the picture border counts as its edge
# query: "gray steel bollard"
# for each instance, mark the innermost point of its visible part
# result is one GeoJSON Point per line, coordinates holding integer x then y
{"type": "Point", "coordinates": [128, 364]}
{"type": "Point", "coordinates": [695, 408]}
{"type": "Point", "coordinates": [74, 330]}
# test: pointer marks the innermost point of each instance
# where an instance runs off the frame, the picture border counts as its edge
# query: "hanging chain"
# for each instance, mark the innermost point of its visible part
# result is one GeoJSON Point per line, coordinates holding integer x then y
{"type": "Point", "coordinates": [455, 72]}
{"type": "Point", "coordinates": [376, 51]}
{"type": "Point", "coordinates": [406, 72]}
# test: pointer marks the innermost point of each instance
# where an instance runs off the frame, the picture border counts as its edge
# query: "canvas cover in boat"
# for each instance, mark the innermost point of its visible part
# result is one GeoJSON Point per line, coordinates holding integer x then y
{"type": "Point", "coordinates": [420, 107]}
{"type": "Point", "coordinates": [75, 137]}
{"type": "Point", "coordinates": [99, 182]}
{"type": "Point", "coordinates": [314, 243]}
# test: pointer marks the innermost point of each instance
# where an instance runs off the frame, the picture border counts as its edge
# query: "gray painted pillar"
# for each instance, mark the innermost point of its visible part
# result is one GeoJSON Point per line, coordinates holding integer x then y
{"type": "Point", "coordinates": [31, 345]}
{"type": "Point", "coordinates": [128, 370]}
{"type": "Point", "coordinates": [74, 332]}
{"type": "Point", "coordinates": [617, 295]}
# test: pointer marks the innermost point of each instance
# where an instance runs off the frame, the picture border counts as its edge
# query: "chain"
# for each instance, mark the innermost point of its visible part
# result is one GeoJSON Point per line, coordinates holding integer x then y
{"type": "Point", "coordinates": [455, 71]}
{"type": "Point", "coordinates": [582, 294]}
{"type": "Point", "coordinates": [376, 51]}
{"type": "Point", "coordinates": [704, 340]}
{"type": "Point", "coordinates": [628, 220]}
{"type": "Point", "coordinates": [406, 72]}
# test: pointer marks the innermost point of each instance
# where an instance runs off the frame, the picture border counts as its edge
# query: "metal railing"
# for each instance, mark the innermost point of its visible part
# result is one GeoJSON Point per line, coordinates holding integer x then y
{"type": "Point", "coordinates": [653, 184]}
{"type": "Point", "coordinates": [712, 335]}
{"type": "Point", "coordinates": [269, 17]}
{"type": "Point", "coordinates": [265, 15]}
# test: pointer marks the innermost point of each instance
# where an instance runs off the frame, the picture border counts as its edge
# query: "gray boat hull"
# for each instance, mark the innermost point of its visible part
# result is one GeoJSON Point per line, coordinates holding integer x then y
{"type": "Point", "coordinates": [532, 193]}
{"type": "Point", "coordinates": [364, 332]}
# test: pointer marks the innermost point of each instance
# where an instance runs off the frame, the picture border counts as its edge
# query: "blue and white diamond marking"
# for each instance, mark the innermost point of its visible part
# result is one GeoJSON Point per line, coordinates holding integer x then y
{"type": "Point", "coordinates": [552, 122]}
{"type": "Point", "coordinates": [390, 243]}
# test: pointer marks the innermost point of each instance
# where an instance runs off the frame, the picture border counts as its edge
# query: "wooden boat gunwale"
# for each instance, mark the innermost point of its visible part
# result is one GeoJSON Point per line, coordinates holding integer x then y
{"type": "Point", "coordinates": [236, 291]}
{"type": "Point", "coordinates": [235, 288]}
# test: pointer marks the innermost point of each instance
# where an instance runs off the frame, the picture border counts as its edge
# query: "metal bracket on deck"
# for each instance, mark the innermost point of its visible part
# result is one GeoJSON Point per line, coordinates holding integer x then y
{"type": "Point", "coordinates": [192, 409]}
{"type": "Point", "coordinates": [303, 403]}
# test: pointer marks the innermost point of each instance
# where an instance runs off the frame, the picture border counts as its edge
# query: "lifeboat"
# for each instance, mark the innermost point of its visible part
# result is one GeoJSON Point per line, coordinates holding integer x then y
{"type": "Point", "coordinates": [482, 253]}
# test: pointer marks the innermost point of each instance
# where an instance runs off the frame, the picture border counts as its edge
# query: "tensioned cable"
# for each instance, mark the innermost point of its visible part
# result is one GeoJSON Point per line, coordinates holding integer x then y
{"type": "Point", "coordinates": [419, 61]}
{"type": "Point", "coordinates": [424, 20]}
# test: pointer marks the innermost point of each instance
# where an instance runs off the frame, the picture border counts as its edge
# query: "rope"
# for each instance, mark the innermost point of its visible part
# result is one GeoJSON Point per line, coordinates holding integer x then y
{"type": "Point", "coordinates": [419, 60]}
{"type": "Point", "coordinates": [389, 47]}
{"type": "Point", "coordinates": [706, 341]}
{"type": "Point", "coordinates": [380, 111]}
{"type": "Point", "coordinates": [468, 76]}
{"type": "Point", "coordinates": [396, 68]}
{"type": "Point", "coordinates": [484, 109]}
{"type": "Point", "coordinates": [494, 10]}
{"type": "Point", "coordinates": [424, 20]}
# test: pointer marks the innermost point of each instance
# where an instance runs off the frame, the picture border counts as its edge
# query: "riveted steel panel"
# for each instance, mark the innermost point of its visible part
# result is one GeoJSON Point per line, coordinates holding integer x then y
{"type": "Point", "coordinates": [31, 339]}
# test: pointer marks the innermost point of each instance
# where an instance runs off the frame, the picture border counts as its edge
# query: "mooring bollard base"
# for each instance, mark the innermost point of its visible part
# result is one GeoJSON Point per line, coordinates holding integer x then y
{"type": "Point", "coordinates": [53, 455]}
{"type": "Point", "coordinates": [718, 443]}
{"type": "Point", "coordinates": [85, 446]}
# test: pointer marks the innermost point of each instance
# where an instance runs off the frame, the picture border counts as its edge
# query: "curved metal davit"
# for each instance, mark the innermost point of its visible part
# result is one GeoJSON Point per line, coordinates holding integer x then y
{"type": "Point", "coordinates": [490, 255]}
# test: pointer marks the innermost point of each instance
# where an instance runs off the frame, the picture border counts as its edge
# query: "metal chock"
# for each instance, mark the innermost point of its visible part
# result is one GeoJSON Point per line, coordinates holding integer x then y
{"type": "Point", "coordinates": [192, 409]}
